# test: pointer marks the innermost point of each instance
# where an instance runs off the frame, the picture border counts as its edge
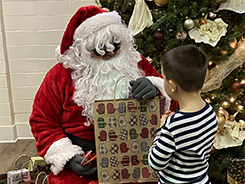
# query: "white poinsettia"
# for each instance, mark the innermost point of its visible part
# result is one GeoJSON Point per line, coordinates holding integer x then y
{"type": "Point", "coordinates": [209, 33]}
{"type": "Point", "coordinates": [237, 6]}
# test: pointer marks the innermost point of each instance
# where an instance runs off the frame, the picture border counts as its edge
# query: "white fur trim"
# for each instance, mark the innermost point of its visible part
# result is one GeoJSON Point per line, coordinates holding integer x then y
{"type": "Point", "coordinates": [159, 83]}
{"type": "Point", "coordinates": [93, 24]}
{"type": "Point", "coordinates": [60, 152]}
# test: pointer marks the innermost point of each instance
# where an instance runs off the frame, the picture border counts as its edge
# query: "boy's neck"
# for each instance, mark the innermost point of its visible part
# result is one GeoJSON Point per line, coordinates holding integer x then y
{"type": "Point", "coordinates": [190, 101]}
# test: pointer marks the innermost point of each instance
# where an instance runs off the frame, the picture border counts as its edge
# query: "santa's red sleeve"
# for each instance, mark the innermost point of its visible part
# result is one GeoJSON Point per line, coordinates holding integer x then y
{"type": "Point", "coordinates": [157, 80]}
{"type": "Point", "coordinates": [46, 119]}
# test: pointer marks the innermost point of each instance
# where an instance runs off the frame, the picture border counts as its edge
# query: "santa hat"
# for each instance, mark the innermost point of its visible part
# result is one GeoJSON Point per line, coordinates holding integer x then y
{"type": "Point", "coordinates": [87, 20]}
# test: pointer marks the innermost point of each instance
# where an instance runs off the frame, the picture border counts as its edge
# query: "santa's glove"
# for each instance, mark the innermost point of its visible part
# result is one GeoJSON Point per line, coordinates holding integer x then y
{"type": "Point", "coordinates": [75, 165]}
{"type": "Point", "coordinates": [143, 88]}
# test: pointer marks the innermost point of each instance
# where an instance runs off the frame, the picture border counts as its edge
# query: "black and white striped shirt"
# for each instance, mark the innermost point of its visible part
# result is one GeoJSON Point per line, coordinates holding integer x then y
{"type": "Point", "coordinates": [181, 149]}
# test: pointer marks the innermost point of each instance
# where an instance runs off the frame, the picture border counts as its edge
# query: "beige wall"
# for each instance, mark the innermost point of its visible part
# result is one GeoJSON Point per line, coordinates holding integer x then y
{"type": "Point", "coordinates": [29, 33]}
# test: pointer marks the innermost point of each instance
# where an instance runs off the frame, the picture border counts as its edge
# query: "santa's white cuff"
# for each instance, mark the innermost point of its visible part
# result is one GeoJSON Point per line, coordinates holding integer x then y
{"type": "Point", "coordinates": [159, 83]}
{"type": "Point", "coordinates": [60, 152]}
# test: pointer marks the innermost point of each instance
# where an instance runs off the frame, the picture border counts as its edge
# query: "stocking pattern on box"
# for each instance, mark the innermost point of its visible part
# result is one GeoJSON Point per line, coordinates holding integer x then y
{"type": "Point", "coordinates": [104, 162]}
{"type": "Point", "coordinates": [114, 161]}
{"type": "Point", "coordinates": [125, 161]}
{"type": "Point", "coordinates": [133, 120]}
{"type": "Point", "coordinates": [101, 123]}
{"type": "Point", "coordinates": [123, 135]}
{"type": "Point", "coordinates": [112, 122]}
{"type": "Point", "coordinates": [124, 147]}
{"type": "Point", "coordinates": [102, 149]}
{"type": "Point", "coordinates": [153, 133]}
{"type": "Point", "coordinates": [103, 135]}
{"type": "Point", "coordinates": [105, 176]}
{"type": "Point", "coordinates": [125, 131]}
{"type": "Point", "coordinates": [112, 135]}
{"type": "Point", "coordinates": [110, 108]}
{"type": "Point", "coordinates": [133, 134]}
{"type": "Point", "coordinates": [144, 133]}
{"type": "Point", "coordinates": [122, 121]}
{"type": "Point", "coordinates": [125, 174]}
{"type": "Point", "coordinates": [114, 149]}
{"type": "Point", "coordinates": [136, 173]}
{"type": "Point", "coordinates": [116, 175]}
{"type": "Point", "coordinates": [145, 159]}
{"type": "Point", "coordinates": [101, 108]}
{"type": "Point", "coordinates": [122, 107]}
{"type": "Point", "coordinates": [131, 107]}
{"type": "Point", "coordinates": [143, 120]}
{"type": "Point", "coordinates": [153, 119]}
{"type": "Point", "coordinates": [145, 172]}
{"type": "Point", "coordinates": [152, 106]}
{"type": "Point", "coordinates": [135, 147]}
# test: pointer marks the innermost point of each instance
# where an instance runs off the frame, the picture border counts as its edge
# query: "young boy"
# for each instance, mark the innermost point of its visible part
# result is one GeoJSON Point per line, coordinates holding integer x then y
{"type": "Point", "coordinates": [181, 149]}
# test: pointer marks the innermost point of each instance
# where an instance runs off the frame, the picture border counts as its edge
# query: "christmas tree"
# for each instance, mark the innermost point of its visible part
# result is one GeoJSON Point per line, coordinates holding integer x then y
{"type": "Point", "coordinates": [218, 27]}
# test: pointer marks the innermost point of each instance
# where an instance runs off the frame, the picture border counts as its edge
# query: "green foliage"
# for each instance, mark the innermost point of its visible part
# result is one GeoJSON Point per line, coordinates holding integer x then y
{"type": "Point", "coordinates": [219, 161]}
{"type": "Point", "coordinates": [169, 20]}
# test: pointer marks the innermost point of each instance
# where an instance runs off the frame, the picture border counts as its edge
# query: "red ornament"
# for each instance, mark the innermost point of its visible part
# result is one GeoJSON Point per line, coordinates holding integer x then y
{"type": "Point", "coordinates": [236, 86]}
{"type": "Point", "coordinates": [158, 36]}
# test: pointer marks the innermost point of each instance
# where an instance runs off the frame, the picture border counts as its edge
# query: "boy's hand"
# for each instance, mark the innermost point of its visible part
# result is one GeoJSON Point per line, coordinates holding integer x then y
{"type": "Point", "coordinates": [165, 116]}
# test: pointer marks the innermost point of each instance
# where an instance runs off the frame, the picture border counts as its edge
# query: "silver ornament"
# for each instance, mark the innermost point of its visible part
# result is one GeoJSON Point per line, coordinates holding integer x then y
{"type": "Point", "coordinates": [189, 24]}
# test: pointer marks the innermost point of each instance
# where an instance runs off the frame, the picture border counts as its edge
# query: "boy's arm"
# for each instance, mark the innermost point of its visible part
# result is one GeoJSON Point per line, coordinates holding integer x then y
{"type": "Point", "coordinates": [162, 149]}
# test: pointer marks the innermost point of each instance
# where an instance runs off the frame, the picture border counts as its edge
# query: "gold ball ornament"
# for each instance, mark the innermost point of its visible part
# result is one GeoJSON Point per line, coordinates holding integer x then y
{"type": "Point", "coordinates": [161, 2]}
{"type": "Point", "coordinates": [106, 9]}
{"type": "Point", "coordinates": [189, 24]}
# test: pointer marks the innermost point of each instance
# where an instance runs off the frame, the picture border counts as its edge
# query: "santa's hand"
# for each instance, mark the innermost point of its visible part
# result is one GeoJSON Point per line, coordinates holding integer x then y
{"type": "Point", "coordinates": [143, 88]}
{"type": "Point", "coordinates": [75, 165]}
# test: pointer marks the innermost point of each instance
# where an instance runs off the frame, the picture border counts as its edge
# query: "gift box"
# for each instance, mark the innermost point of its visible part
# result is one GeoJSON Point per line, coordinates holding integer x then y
{"type": "Point", "coordinates": [123, 142]}
{"type": "Point", "coordinates": [18, 176]}
{"type": "Point", "coordinates": [236, 171]}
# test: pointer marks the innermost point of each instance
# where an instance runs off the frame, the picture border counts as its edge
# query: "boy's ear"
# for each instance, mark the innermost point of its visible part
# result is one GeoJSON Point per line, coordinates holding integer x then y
{"type": "Point", "coordinates": [174, 86]}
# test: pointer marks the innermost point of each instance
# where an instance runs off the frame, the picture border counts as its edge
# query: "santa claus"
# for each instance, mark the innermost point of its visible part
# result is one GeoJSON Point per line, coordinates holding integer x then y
{"type": "Point", "coordinates": [96, 49]}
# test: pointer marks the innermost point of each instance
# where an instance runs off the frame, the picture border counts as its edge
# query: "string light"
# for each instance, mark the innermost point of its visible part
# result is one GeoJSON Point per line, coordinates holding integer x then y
{"type": "Point", "coordinates": [225, 103]}
{"type": "Point", "coordinates": [149, 59]}
{"type": "Point", "coordinates": [210, 63]}
{"type": "Point", "coordinates": [233, 44]}
{"type": "Point", "coordinates": [213, 96]}
{"type": "Point", "coordinates": [242, 81]}
{"type": "Point", "coordinates": [208, 100]}
{"type": "Point", "coordinates": [224, 52]}
{"type": "Point", "coordinates": [212, 15]}
{"type": "Point", "coordinates": [220, 110]}
{"type": "Point", "coordinates": [232, 99]}
{"type": "Point", "coordinates": [240, 107]}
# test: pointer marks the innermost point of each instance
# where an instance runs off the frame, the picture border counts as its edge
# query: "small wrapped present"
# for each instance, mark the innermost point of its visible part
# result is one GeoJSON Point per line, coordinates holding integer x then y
{"type": "Point", "coordinates": [18, 176]}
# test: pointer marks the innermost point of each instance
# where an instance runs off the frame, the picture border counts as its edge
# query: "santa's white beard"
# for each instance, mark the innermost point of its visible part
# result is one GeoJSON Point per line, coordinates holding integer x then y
{"type": "Point", "coordinates": [97, 80]}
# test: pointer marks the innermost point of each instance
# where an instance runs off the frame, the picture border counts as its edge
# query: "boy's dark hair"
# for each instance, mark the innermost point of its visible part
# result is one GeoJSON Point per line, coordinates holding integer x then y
{"type": "Point", "coordinates": [186, 65]}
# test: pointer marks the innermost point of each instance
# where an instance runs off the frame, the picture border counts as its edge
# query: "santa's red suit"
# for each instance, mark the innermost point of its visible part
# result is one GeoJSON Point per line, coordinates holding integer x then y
{"type": "Point", "coordinates": [55, 115]}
